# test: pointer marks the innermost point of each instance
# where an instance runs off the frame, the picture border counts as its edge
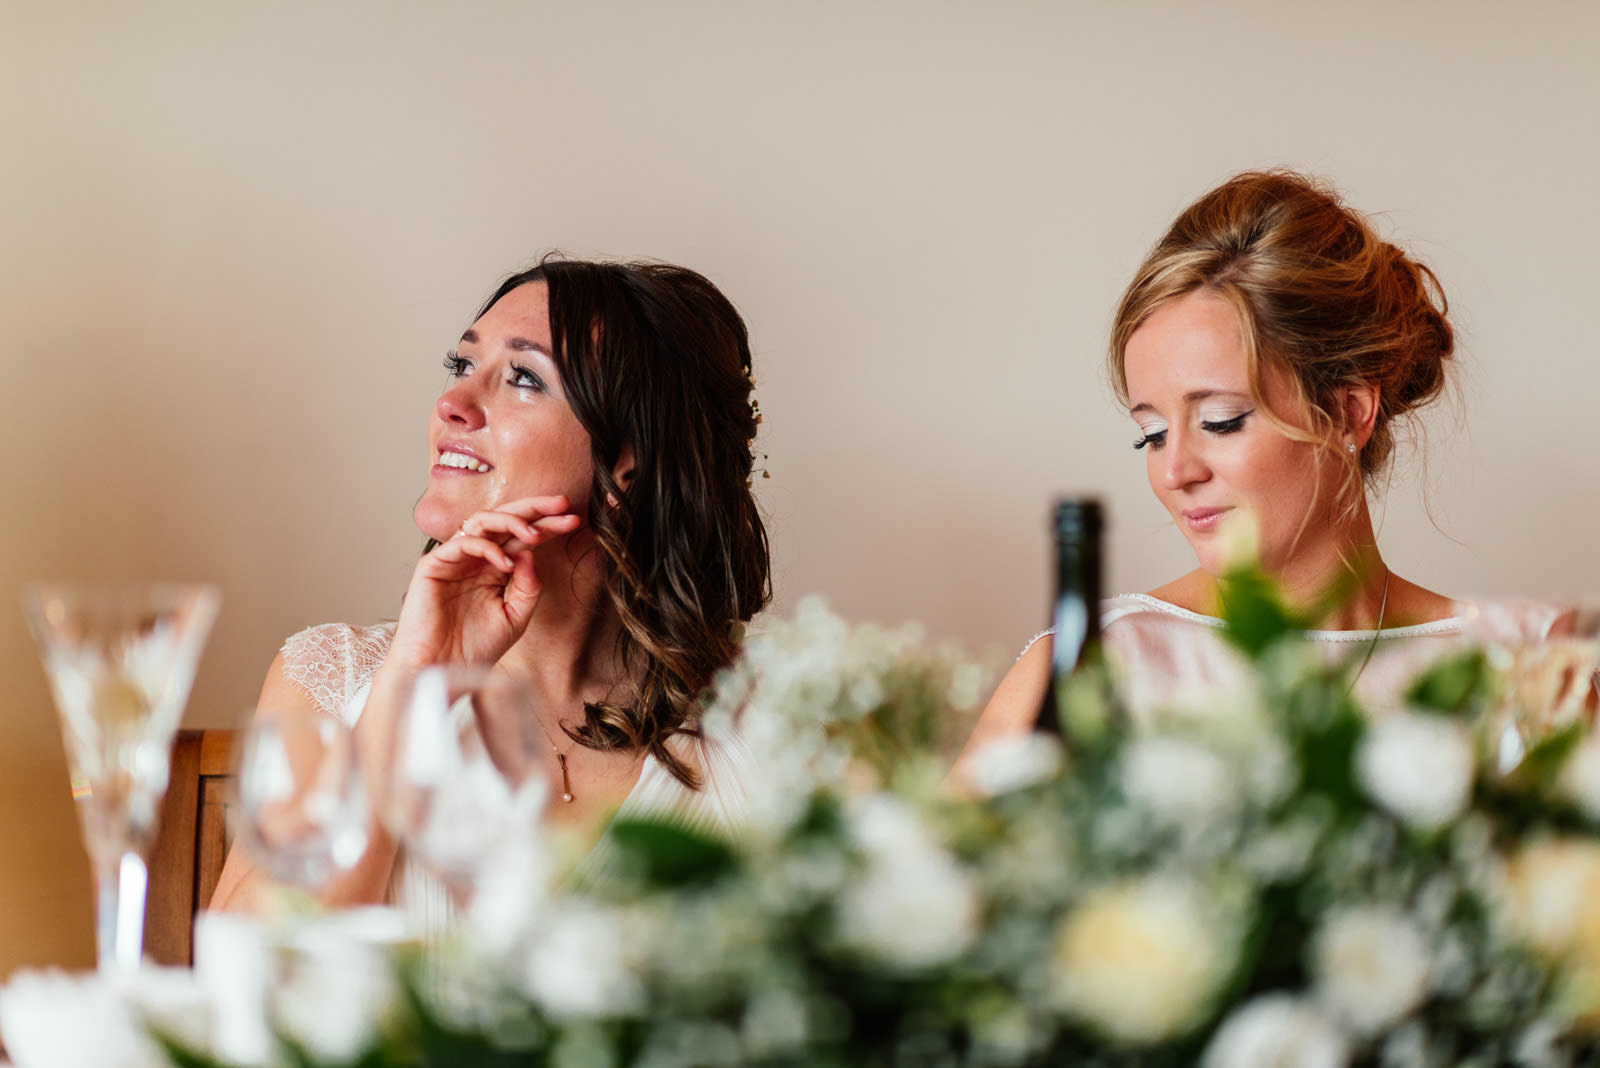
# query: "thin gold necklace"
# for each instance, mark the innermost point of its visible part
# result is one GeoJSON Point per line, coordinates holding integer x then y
{"type": "Point", "coordinates": [1383, 606]}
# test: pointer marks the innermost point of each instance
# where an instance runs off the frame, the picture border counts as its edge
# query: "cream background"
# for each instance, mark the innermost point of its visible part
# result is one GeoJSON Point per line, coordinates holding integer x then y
{"type": "Point", "coordinates": [238, 238]}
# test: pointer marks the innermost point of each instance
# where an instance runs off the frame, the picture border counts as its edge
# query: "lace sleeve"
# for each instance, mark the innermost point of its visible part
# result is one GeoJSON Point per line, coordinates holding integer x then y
{"type": "Point", "coordinates": [331, 662]}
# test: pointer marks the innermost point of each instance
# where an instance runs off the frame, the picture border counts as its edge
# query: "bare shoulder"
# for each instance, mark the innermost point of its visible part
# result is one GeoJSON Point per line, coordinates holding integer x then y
{"type": "Point", "coordinates": [280, 691]}
{"type": "Point", "coordinates": [1410, 604]}
{"type": "Point", "coordinates": [1196, 592]}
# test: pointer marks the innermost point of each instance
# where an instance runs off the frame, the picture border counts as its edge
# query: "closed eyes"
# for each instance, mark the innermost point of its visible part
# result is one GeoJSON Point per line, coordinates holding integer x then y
{"type": "Point", "coordinates": [1154, 438]}
{"type": "Point", "coordinates": [1220, 427]}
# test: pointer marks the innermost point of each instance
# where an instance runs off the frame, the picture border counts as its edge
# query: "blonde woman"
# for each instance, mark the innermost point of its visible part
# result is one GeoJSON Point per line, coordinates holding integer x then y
{"type": "Point", "coordinates": [1266, 352]}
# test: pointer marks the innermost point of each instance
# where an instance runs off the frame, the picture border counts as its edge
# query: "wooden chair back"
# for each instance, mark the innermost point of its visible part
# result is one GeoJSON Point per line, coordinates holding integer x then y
{"type": "Point", "coordinates": [192, 843]}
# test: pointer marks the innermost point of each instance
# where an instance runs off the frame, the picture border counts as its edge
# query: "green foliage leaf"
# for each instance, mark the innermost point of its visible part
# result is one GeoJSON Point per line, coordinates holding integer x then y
{"type": "Point", "coordinates": [1543, 762]}
{"type": "Point", "coordinates": [1453, 685]}
{"type": "Point", "coordinates": [180, 1054]}
{"type": "Point", "coordinates": [668, 855]}
{"type": "Point", "coordinates": [1256, 616]}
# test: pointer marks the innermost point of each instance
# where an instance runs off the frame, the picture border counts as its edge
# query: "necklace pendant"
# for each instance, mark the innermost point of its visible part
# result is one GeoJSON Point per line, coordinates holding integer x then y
{"type": "Point", "coordinates": [566, 782]}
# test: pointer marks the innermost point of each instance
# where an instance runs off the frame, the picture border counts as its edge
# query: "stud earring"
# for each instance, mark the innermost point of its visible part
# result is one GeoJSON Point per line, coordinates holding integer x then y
{"type": "Point", "coordinates": [1350, 447]}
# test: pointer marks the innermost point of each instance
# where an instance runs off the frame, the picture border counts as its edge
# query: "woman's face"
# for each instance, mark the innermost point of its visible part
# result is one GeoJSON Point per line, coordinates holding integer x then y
{"type": "Point", "coordinates": [502, 430]}
{"type": "Point", "coordinates": [1212, 458]}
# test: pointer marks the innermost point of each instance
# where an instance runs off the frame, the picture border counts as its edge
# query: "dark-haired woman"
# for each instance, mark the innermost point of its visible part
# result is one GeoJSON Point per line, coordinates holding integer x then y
{"type": "Point", "coordinates": [1265, 351]}
{"type": "Point", "coordinates": [591, 532]}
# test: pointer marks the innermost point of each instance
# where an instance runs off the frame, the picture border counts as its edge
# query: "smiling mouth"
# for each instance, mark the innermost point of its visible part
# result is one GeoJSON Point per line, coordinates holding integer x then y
{"type": "Point", "coordinates": [463, 462]}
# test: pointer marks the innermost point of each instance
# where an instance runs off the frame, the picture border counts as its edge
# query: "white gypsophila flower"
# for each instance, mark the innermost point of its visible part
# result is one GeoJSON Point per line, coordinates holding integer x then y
{"type": "Point", "coordinates": [1579, 781]}
{"type": "Point", "coordinates": [336, 988]}
{"type": "Point", "coordinates": [1178, 780]}
{"type": "Point", "coordinates": [581, 961]}
{"type": "Point", "coordinates": [51, 1019]}
{"type": "Point", "coordinates": [817, 700]}
{"type": "Point", "coordinates": [1277, 1031]}
{"type": "Point", "coordinates": [1372, 966]}
{"type": "Point", "coordinates": [1419, 767]}
{"type": "Point", "coordinates": [1140, 961]}
{"type": "Point", "coordinates": [1013, 762]}
{"type": "Point", "coordinates": [913, 906]}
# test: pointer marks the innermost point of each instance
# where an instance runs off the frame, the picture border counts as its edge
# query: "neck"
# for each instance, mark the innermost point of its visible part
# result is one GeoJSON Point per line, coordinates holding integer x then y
{"type": "Point", "coordinates": [568, 653]}
{"type": "Point", "coordinates": [1347, 565]}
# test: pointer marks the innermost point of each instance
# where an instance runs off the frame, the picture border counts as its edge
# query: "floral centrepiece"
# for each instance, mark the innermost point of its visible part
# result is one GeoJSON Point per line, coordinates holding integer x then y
{"type": "Point", "coordinates": [1273, 878]}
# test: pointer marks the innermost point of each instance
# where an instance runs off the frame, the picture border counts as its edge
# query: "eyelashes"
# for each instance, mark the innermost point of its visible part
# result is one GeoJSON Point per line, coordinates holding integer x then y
{"type": "Point", "coordinates": [1220, 427]}
{"type": "Point", "coordinates": [458, 366]}
{"type": "Point", "coordinates": [1155, 439]}
{"type": "Point", "coordinates": [526, 378]}
{"type": "Point", "coordinates": [1226, 426]}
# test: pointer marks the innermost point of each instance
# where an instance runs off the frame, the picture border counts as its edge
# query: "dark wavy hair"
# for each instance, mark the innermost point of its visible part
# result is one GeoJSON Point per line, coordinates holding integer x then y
{"type": "Point", "coordinates": [654, 357]}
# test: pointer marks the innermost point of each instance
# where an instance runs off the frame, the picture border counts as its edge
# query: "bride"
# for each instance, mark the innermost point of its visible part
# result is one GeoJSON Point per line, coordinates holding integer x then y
{"type": "Point", "coordinates": [1266, 351]}
{"type": "Point", "coordinates": [591, 533]}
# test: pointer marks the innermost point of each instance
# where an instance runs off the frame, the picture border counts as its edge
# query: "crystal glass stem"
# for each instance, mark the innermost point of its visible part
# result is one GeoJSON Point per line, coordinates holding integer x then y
{"type": "Point", "coordinates": [121, 883]}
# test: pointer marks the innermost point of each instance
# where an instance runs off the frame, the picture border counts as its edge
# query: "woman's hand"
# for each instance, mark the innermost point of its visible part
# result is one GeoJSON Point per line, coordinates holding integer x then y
{"type": "Point", "coordinates": [471, 598]}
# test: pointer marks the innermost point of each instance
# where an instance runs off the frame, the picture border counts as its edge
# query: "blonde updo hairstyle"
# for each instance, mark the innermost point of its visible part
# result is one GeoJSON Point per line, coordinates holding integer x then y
{"type": "Point", "coordinates": [1319, 295]}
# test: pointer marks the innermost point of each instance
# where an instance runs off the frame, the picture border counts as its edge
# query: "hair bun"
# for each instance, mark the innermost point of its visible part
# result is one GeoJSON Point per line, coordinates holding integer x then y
{"type": "Point", "coordinates": [1425, 340]}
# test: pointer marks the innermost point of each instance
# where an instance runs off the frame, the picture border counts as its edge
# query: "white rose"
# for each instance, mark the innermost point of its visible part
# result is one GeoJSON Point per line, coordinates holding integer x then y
{"type": "Point", "coordinates": [1178, 780]}
{"type": "Point", "coordinates": [1372, 966]}
{"type": "Point", "coordinates": [580, 963]}
{"type": "Point", "coordinates": [913, 905]}
{"type": "Point", "coordinates": [1548, 895]}
{"type": "Point", "coordinates": [235, 960]}
{"type": "Point", "coordinates": [1277, 1031]}
{"type": "Point", "coordinates": [1013, 762]}
{"type": "Point", "coordinates": [512, 887]}
{"type": "Point", "coordinates": [337, 986]}
{"type": "Point", "coordinates": [1579, 781]}
{"type": "Point", "coordinates": [1419, 767]}
{"type": "Point", "coordinates": [1142, 960]}
{"type": "Point", "coordinates": [51, 1019]}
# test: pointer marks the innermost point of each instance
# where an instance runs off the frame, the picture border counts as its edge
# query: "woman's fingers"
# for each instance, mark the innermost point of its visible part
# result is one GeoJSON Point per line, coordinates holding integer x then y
{"type": "Point", "coordinates": [523, 519]}
{"type": "Point", "coordinates": [464, 545]}
{"type": "Point", "coordinates": [532, 507]}
{"type": "Point", "coordinates": [522, 591]}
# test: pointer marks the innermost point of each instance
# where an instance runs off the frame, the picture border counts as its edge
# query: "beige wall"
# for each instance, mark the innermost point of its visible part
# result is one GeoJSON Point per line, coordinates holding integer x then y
{"type": "Point", "coordinates": [238, 238]}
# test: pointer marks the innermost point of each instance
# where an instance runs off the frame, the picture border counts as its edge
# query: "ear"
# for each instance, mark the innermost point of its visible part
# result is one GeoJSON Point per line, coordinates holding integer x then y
{"type": "Point", "coordinates": [1359, 406]}
{"type": "Point", "coordinates": [622, 470]}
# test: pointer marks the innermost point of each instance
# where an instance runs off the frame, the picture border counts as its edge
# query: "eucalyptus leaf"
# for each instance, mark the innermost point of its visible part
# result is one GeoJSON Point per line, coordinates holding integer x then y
{"type": "Point", "coordinates": [669, 855]}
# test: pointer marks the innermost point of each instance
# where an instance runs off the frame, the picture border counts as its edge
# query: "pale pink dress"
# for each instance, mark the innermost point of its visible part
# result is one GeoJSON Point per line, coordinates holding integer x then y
{"type": "Point", "coordinates": [1162, 654]}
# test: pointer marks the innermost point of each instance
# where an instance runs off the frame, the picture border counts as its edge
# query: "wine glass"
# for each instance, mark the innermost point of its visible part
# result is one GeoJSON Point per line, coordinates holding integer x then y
{"type": "Point", "coordinates": [121, 661]}
{"type": "Point", "coordinates": [465, 775]}
{"type": "Point", "coordinates": [301, 808]}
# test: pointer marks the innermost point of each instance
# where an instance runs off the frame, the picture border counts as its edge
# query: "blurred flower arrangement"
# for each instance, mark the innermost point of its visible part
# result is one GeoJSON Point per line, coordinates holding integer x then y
{"type": "Point", "coordinates": [1271, 877]}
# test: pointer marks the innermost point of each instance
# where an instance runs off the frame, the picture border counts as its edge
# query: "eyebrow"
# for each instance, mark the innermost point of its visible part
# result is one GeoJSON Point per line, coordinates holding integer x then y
{"type": "Point", "coordinates": [1192, 397]}
{"type": "Point", "coordinates": [516, 344]}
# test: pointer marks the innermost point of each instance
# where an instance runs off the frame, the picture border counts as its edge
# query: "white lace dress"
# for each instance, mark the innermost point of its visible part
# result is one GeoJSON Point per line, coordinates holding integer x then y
{"type": "Point", "coordinates": [1162, 654]}
{"type": "Point", "coordinates": [334, 664]}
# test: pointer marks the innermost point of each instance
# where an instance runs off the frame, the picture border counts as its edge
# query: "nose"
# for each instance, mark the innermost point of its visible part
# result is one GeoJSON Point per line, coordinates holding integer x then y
{"type": "Point", "coordinates": [1182, 463]}
{"type": "Point", "coordinates": [460, 407]}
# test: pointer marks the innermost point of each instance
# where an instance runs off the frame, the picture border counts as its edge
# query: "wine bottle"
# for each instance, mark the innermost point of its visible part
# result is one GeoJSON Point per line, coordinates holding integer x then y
{"type": "Point", "coordinates": [1076, 615]}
